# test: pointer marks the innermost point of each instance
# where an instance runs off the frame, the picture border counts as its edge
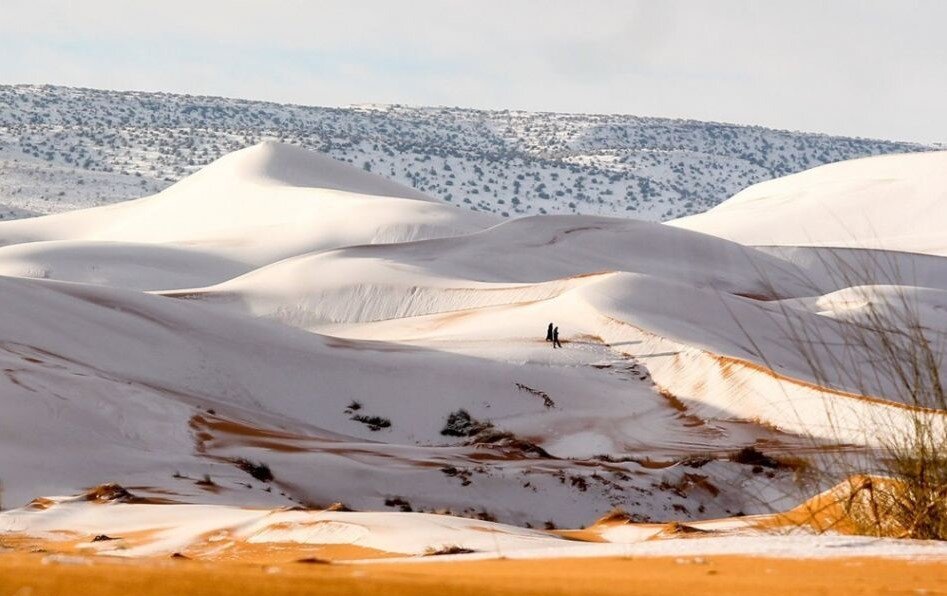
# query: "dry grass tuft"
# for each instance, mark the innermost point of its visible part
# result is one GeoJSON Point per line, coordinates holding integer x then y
{"type": "Point", "coordinates": [877, 344]}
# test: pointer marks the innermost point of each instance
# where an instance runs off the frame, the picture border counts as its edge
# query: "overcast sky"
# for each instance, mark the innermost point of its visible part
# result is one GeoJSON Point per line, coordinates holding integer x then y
{"type": "Point", "coordinates": [856, 67]}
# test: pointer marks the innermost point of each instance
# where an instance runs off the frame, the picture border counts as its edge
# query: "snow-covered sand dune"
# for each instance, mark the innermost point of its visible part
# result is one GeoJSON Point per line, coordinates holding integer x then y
{"type": "Point", "coordinates": [282, 329]}
{"type": "Point", "coordinates": [524, 260]}
{"type": "Point", "coordinates": [127, 379]}
{"type": "Point", "coordinates": [252, 207]}
{"type": "Point", "coordinates": [891, 202]}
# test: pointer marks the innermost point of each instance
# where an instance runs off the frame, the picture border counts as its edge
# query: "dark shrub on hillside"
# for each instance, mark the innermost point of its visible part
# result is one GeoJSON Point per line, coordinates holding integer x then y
{"type": "Point", "coordinates": [259, 471]}
{"type": "Point", "coordinates": [461, 424]}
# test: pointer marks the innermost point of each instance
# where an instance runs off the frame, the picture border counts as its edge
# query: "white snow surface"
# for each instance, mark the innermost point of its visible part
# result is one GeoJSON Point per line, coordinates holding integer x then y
{"type": "Point", "coordinates": [891, 202]}
{"type": "Point", "coordinates": [175, 528]}
{"type": "Point", "coordinates": [283, 309]}
{"type": "Point", "coordinates": [248, 209]}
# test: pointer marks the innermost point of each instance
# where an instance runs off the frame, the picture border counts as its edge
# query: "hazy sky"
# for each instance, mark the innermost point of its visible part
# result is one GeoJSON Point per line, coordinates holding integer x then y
{"type": "Point", "coordinates": [856, 67]}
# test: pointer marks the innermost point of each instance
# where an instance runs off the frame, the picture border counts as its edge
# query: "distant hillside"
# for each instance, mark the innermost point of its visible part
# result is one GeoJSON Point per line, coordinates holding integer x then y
{"type": "Point", "coordinates": [64, 148]}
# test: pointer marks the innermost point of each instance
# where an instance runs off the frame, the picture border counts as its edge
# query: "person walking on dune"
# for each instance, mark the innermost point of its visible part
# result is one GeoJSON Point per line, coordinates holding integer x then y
{"type": "Point", "coordinates": [549, 332]}
{"type": "Point", "coordinates": [555, 338]}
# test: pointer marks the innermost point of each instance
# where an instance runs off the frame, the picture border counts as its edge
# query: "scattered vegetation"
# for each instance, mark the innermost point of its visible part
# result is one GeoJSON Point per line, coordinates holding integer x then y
{"type": "Point", "coordinates": [314, 561]}
{"type": "Point", "coordinates": [447, 549]}
{"type": "Point", "coordinates": [461, 424]}
{"type": "Point", "coordinates": [509, 163]}
{"type": "Point", "coordinates": [751, 456]}
{"type": "Point", "coordinates": [260, 471]}
{"type": "Point", "coordinates": [103, 538]}
{"type": "Point", "coordinates": [453, 472]}
{"type": "Point", "coordinates": [400, 503]}
{"type": "Point", "coordinates": [547, 401]}
{"type": "Point", "coordinates": [509, 441]}
{"type": "Point", "coordinates": [206, 482]}
{"type": "Point", "coordinates": [696, 461]}
{"type": "Point", "coordinates": [374, 423]}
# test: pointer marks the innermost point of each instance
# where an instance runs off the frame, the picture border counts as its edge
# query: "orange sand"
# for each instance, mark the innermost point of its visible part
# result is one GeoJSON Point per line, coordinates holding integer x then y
{"type": "Point", "coordinates": [28, 574]}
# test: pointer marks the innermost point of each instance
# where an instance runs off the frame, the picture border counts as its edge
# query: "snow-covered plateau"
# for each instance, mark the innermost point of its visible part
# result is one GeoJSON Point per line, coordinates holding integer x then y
{"type": "Point", "coordinates": [64, 148]}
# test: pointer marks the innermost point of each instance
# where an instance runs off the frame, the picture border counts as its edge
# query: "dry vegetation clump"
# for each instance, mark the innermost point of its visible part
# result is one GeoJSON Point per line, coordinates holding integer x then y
{"type": "Point", "coordinates": [483, 433]}
{"type": "Point", "coordinates": [507, 441]}
{"type": "Point", "coordinates": [751, 456]}
{"type": "Point", "coordinates": [314, 561]}
{"type": "Point", "coordinates": [447, 549]}
{"type": "Point", "coordinates": [461, 424]}
{"type": "Point", "coordinates": [374, 423]}
{"type": "Point", "coordinates": [883, 344]}
{"type": "Point", "coordinates": [206, 482]}
{"type": "Point", "coordinates": [103, 538]}
{"type": "Point", "coordinates": [260, 471]}
{"type": "Point", "coordinates": [547, 401]}
{"type": "Point", "coordinates": [401, 504]}
{"type": "Point", "coordinates": [909, 500]}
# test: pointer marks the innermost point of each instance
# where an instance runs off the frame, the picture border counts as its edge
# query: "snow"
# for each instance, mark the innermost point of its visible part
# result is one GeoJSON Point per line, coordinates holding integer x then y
{"type": "Point", "coordinates": [63, 149]}
{"type": "Point", "coordinates": [136, 266]}
{"type": "Point", "coordinates": [892, 202]}
{"type": "Point", "coordinates": [795, 547]}
{"type": "Point", "coordinates": [246, 210]}
{"type": "Point", "coordinates": [269, 308]}
{"type": "Point", "coordinates": [177, 528]}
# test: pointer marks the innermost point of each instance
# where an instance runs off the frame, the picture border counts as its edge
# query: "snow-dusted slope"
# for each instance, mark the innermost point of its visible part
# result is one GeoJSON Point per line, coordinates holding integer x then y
{"type": "Point", "coordinates": [216, 533]}
{"type": "Point", "coordinates": [62, 149]}
{"type": "Point", "coordinates": [896, 202]}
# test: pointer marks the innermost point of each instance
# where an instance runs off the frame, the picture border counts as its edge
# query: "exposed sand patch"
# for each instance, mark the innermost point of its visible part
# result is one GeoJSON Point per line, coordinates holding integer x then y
{"type": "Point", "coordinates": [234, 550]}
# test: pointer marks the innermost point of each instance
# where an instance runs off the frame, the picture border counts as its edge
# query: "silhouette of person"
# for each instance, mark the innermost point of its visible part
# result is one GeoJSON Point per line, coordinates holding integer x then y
{"type": "Point", "coordinates": [555, 338]}
{"type": "Point", "coordinates": [549, 332]}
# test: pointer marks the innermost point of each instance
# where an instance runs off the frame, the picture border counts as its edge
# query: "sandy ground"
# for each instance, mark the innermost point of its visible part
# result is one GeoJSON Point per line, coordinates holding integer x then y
{"type": "Point", "coordinates": [38, 574]}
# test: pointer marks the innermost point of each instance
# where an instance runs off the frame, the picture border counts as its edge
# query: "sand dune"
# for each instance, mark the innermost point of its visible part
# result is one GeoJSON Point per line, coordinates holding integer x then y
{"type": "Point", "coordinates": [280, 330]}
{"type": "Point", "coordinates": [891, 202]}
{"type": "Point", "coordinates": [255, 206]}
